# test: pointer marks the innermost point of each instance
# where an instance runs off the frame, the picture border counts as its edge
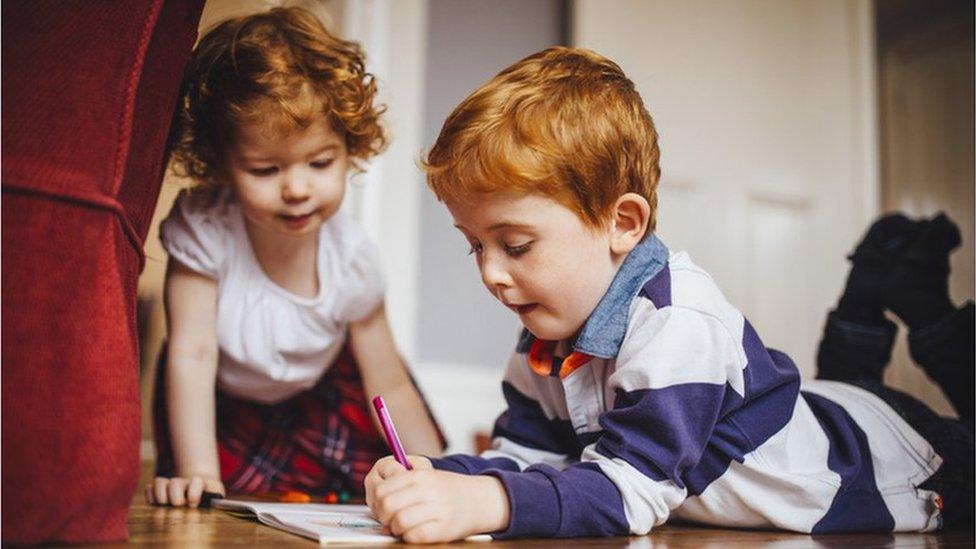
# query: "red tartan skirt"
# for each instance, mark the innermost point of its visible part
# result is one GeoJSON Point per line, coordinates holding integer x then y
{"type": "Point", "coordinates": [322, 440]}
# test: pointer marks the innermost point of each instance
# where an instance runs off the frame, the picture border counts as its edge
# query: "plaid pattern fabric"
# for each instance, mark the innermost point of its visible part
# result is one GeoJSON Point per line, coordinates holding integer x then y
{"type": "Point", "coordinates": [320, 441]}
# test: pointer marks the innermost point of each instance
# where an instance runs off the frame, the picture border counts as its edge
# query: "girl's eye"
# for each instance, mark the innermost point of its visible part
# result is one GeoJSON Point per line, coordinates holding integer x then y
{"type": "Point", "coordinates": [516, 251]}
{"type": "Point", "coordinates": [263, 172]}
{"type": "Point", "coordinates": [322, 164]}
{"type": "Point", "coordinates": [475, 248]}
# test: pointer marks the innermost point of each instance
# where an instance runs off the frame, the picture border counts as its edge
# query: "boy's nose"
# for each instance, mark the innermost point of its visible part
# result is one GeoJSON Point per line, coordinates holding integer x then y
{"type": "Point", "coordinates": [494, 275]}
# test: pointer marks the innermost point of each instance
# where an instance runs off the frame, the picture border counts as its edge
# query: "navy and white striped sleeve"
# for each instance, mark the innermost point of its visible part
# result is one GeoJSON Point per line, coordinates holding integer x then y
{"type": "Point", "coordinates": [524, 434]}
{"type": "Point", "coordinates": [674, 379]}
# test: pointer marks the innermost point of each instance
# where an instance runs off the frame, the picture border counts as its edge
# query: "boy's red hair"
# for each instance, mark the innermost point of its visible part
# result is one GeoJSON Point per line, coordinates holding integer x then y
{"type": "Point", "coordinates": [564, 122]}
{"type": "Point", "coordinates": [281, 69]}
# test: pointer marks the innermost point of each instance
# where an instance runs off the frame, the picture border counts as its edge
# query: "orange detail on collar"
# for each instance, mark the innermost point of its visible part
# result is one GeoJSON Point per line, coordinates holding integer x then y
{"type": "Point", "coordinates": [540, 359]}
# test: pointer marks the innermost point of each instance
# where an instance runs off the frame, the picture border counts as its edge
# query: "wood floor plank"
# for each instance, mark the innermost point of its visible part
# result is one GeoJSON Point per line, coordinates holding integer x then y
{"type": "Point", "coordinates": [150, 525]}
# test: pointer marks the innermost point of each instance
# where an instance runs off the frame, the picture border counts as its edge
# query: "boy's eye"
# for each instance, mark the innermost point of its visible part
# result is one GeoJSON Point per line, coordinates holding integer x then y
{"type": "Point", "coordinates": [475, 248]}
{"type": "Point", "coordinates": [263, 172]}
{"type": "Point", "coordinates": [322, 164]}
{"type": "Point", "coordinates": [516, 251]}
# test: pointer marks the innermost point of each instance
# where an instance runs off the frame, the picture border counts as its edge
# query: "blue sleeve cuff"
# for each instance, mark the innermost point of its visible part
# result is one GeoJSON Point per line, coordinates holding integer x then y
{"type": "Point", "coordinates": [448, 463]}
{"type": "Point", "coordinates": [533, 504]}
{"type": "Point", "coordinates": [472, 465]}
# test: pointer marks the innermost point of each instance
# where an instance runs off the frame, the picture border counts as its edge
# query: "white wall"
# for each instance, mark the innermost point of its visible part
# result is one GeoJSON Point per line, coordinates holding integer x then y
{"type": "Point", "coordinates": [386, 199]}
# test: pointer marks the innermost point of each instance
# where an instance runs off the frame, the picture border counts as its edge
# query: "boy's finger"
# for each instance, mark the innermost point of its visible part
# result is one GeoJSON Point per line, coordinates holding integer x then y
{"type": "Point", "coordinates": [193, 492]}
{"type": "Point", "coordinates": [429, 531]}
{"type": "Point", "coordinates": [390, 485]}
{"type": "Point", "coordinates": [177, 492]}
{"type": "Point", "coordinates": [159, 490]}
{"type": "Point", "coordinates": [387, 505]}
{"type": "Point", "coordinates": [420, 462]}
{"type": "Point", "coordinates": [369, 484]}
{"type": "Point", "coordinates": [406, 510]}
{"type": "Point", "coordinates": [389, 468]}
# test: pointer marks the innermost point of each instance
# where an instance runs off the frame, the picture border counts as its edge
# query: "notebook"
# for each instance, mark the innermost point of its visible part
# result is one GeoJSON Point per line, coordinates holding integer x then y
{"type": "Point", "coordinates": [326, 523]}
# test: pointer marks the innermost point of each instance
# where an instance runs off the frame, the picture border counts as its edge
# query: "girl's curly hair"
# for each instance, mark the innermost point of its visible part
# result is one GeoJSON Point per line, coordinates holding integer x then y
{"type": "Point", "coordinates": [282, 69]}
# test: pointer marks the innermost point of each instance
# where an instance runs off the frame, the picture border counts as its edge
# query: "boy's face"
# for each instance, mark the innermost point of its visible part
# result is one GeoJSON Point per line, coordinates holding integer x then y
{"type": "Point", "coordinates": [288, 185]}
{"type": "Point", "coordinates": [538, 258]}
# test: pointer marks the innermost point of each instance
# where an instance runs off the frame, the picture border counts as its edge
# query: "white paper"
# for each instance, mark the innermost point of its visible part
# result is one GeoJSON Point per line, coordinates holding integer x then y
{"type": "Point", "coordinates": [325, 523]}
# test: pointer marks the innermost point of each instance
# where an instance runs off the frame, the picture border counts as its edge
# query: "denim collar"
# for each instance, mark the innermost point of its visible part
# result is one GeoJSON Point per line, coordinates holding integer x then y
{"type": "Point", "coordinates": [604, 330]}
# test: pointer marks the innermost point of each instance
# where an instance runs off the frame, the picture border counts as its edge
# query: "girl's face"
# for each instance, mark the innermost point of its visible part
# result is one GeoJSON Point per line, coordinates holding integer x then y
{"type": "Point", "coordinates": [288, 185]}
{"type": "Point", "coordinates": [538, 258]}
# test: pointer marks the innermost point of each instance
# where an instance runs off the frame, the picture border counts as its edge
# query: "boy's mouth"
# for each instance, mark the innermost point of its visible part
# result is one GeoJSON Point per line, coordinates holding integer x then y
{"type": "Point", "coordinates": [523, 309]}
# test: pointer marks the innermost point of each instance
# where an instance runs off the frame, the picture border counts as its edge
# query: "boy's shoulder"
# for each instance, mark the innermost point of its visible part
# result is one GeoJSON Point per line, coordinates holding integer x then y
{"type": "Point", "coordinates": [683, 284]}
{"type": "Point", "coordinates": [680, 329]}
{"type": "Point", "coordinates": [681, 301]}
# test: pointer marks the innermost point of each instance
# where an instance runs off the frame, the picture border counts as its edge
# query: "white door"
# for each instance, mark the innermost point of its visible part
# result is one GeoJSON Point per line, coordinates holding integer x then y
{"type": "Point", "coordinates": [765, 112]}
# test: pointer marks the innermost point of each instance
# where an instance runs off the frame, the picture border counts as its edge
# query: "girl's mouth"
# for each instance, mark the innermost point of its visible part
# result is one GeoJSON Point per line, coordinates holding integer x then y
{"type": "Point", "coordinates": [296, 221]}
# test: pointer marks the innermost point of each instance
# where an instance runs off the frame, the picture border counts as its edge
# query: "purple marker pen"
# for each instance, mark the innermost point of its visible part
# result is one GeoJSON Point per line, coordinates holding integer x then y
{"type": "Point", "coordinates": [390, 431]}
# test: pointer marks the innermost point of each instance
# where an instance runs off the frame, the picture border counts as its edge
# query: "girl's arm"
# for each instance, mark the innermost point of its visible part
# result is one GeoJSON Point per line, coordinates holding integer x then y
{"type": "Point", "coordinates": [384, 373]}
{"type": "Point", "coordinates": [191, 369]}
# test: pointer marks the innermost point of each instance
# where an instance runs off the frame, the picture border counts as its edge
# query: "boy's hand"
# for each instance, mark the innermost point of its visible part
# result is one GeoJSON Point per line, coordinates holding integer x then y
{"type": "Point", "coordinates": [387, 467]}
{"type": "Point", "coordinates": [429, 506]}
{"type": "Point", "coordinates": [179, 491]}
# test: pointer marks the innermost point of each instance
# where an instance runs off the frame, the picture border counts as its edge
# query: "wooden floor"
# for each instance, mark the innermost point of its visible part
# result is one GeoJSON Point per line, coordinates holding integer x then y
{"type": "Point", "coordinates": [211, 528]}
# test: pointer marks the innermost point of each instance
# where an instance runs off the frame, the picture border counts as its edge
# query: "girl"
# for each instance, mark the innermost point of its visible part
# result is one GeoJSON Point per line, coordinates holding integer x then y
{"type": "Point", "coordinates": [274, 298]}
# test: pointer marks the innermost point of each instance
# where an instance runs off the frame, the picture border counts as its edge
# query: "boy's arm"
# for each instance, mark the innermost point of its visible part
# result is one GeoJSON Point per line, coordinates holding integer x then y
{"type": "Point", "coordinates": [672, 387]}
{"type": "Point", "coordinates": [384, 373]}
{"type": "Point", "coordinates": [522, 435]}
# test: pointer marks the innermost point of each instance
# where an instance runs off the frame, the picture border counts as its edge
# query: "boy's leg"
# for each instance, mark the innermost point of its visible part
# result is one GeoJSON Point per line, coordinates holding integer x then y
{"type": "Point", "coordinates": [857, 338]}
{"type": "Point", "coordinates": [945, 349]}
{"type": "Point", "coordinates": [903, 266]}
{"type": "Point", "coordinates": [941, 337]}
{"type": "Point", "coordinates": [852, 351]}
{"type": "Point", "coordinates": [952, 440]}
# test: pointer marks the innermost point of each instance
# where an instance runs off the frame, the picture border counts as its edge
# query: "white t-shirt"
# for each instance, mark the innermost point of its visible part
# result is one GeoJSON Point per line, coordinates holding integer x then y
{"type": "Point", "coordinates": [273, 344]}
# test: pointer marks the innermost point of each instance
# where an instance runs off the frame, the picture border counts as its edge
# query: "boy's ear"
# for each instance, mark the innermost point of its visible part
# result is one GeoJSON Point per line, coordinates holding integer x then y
{"type": "Point", "coordinates": [631, 214]}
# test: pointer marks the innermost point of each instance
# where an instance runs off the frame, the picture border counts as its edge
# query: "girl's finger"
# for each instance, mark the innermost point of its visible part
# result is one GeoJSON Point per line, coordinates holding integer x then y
{"type": "Point", "coordinates": [193, 492]}
{"type": "Point", "coordinates": [160, 485]}
{"type": "Point", "coordinates": [177, 492]}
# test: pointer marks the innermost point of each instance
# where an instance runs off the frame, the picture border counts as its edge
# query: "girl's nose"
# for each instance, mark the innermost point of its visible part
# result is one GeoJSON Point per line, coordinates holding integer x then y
{"type": "Point", "coordinates": [295, 189]}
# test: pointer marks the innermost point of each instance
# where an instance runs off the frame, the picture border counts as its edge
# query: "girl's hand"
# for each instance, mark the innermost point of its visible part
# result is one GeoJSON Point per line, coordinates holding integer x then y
{"type": "Point", "coordinates": [429, 506]}
{"type": "Point", "coordinates": [179, 491]}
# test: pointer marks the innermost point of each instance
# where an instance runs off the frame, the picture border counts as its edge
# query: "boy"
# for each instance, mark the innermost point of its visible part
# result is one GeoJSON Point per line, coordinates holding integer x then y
{"type": "Point", "coordinates": [636, 391]}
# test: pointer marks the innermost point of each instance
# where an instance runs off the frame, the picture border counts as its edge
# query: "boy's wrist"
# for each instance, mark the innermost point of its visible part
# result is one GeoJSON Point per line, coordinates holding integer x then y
{"type": "Point", "coordinates": [494, 508]}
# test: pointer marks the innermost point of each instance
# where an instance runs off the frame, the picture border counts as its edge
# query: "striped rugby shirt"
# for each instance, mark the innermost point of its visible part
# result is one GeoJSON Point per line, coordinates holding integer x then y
{"type": "Point", "coordinates": [669, 404]}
